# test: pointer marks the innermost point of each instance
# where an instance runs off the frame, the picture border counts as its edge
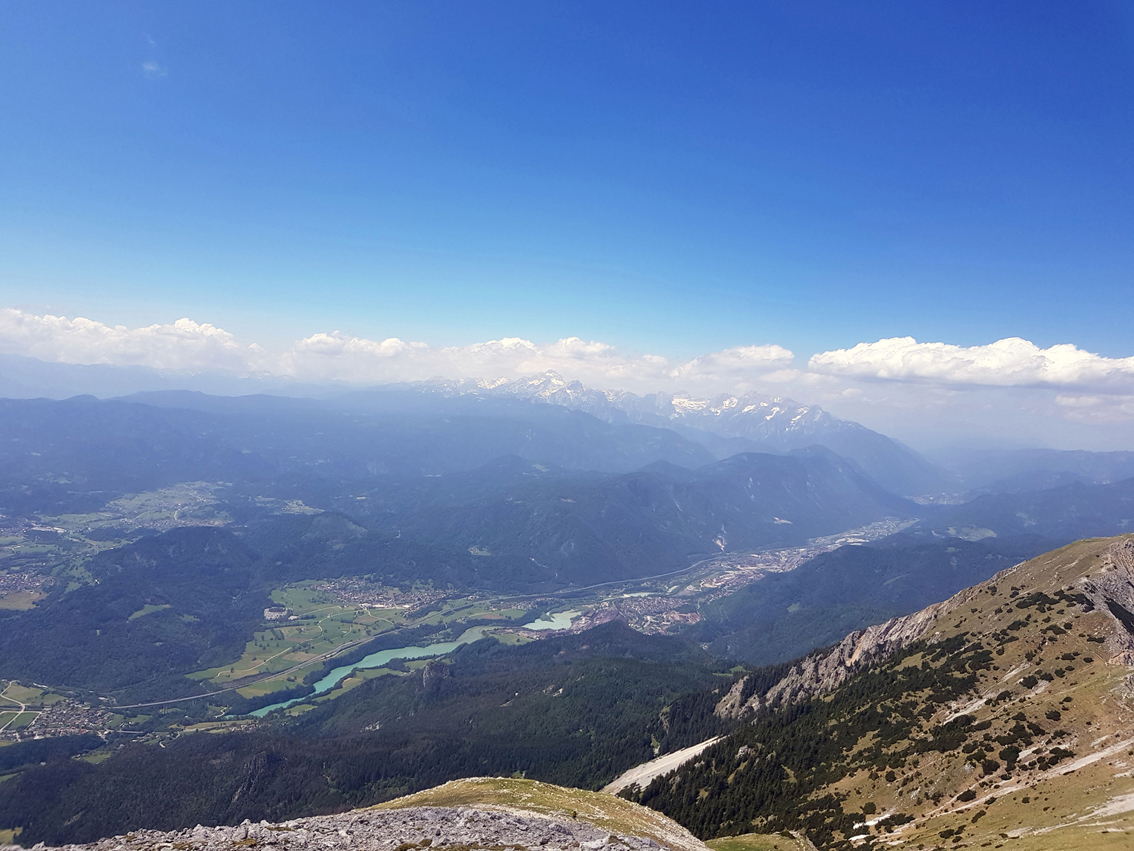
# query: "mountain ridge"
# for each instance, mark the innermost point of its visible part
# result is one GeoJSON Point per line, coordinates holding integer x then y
{"type": "Point", "coordinates": [956, 723]}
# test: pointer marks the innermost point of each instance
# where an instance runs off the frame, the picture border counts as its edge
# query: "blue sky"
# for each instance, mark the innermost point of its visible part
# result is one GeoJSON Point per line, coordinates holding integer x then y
{"type": "Point", "coordinates": [668, 177]}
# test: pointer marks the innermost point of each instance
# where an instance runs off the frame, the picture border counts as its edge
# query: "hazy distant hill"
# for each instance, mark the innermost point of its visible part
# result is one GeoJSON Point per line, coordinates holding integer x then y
{"type": "Point", "coordinates": [785, 615]}
{"type": "Point", "coordinates": [30, 378]}
{"type": "Point", "coordinates": [726, 424]}
{"type": "Point", "coordinates": [511, 525]}
{"type": "Point", "coordinates": [1068, 512]}
{"type": "Point", "coordinates": [58, 456]}
{"type": "Point", "coordinates": [656, 519]}
{"type": "Point", "coordinates": [1017, 470]}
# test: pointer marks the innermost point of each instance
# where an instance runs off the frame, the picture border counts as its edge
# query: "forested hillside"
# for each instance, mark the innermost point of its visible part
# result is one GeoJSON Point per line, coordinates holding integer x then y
{"type": "Point", "coordinates": [576, 710]}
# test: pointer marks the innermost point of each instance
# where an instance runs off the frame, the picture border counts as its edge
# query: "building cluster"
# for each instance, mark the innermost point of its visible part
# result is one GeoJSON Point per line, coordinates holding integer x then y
{"type": "Point", "coordinates": [359, 592]}
{"type": "Point", "coordinates": [64, 718]}
{"type": "Point", "coordinates": [14, 583]}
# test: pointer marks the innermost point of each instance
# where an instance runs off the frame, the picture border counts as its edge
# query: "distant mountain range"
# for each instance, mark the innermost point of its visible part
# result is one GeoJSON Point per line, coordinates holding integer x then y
{"type": "Point", "coordinates": [726, 424]}
{"type": "Point", "coordinates": [586, 530]}
{"type": "Point", "coordinates": [716, 427]}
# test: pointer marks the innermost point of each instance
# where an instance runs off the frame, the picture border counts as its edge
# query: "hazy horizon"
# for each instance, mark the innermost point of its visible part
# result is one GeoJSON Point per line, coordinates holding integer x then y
{"type": "Point", "coordinates": [934, 396]}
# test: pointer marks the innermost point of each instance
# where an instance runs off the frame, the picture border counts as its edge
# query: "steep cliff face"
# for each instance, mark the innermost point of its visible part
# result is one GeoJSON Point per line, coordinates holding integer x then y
{"type": "Point", "coordinates": [1111, 590]}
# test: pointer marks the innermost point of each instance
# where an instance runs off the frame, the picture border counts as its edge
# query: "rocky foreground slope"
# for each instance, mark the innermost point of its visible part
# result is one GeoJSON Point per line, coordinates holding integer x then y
{"type": "Point", "coordinates": [481, 813]}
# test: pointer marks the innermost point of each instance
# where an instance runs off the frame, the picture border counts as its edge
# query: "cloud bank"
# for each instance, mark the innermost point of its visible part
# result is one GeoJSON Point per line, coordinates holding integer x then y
{"type": "Point", "coordinates": [1011, 362]}
{"type": "Point", "coordinates": [183, 346]}
{"type": "Point", "coordinates": [1008, 388]}
{"type": "Point", "coordinates": [188, 346]}
{"type": "Point", "coordinates": [339, 357]}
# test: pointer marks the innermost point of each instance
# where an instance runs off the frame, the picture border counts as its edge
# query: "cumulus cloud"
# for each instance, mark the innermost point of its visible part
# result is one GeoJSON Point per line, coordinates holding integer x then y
{"type": "Point", "coordinates": [186, 345]}
{"type": "Point", "coordinates": [1096, 409]}
{"type": "Point", "coordinates": [1012, 362]}
{"type": "Point", "coordinates": [183, 346]}
{"type": "Point", "coordinates": [339, 357]}
{"type": "Point", "coordinates": [897, 386]}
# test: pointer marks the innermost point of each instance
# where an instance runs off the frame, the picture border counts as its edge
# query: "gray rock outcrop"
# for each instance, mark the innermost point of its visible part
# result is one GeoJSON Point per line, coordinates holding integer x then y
{"type": "Point", "coordinates": [384, 830]}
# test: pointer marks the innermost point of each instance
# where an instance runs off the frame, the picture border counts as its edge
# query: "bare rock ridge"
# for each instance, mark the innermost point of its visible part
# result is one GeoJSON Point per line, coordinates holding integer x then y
{"type": "Point", "coordinates": [436, 827]}
{"type": "Point", "coordinates": [825, 671]}
{"type": "Point", "coordinates": [1107, 585]}
{"type": "Point", "coordinates": [1111, 589]}
{"type": "Point", "coordinates": [510, 814]}
{"type": "Point", "coordinates": [384, 830]}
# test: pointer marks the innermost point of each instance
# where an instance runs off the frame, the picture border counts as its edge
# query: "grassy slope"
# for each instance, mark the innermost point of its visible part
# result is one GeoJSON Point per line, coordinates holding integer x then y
{"type": "Point", "coordinates": [1066, 805]}
{"type": "Point", "coordinates": [1069, 787]}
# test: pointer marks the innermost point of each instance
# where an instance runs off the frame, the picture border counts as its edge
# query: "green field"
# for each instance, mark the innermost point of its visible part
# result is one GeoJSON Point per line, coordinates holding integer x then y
{"type": "Point", "coordinates": [147, 609]}
{"type": "Point", "coordinates": [319, 622]}
{"type": "Point", "coordinates": [30, 695]}
{"type": "Point", "coordinates": [281, 646]}
{"type": "Point", "coordinates": [16, 720]}
{"type": "Point", "coordinates": [21, 601]}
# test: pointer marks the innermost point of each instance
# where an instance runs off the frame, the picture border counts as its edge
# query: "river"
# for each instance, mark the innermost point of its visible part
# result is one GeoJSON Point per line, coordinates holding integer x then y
{"type": "Point", "coordinates": [377, 660]}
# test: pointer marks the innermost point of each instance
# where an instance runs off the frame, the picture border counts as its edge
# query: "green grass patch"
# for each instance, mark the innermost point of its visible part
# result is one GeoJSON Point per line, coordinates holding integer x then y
{"type": "Point", "coordinates": [21, 720]}
{"type": "Point", "coordinates": [24, 694]}
{"type": "Point", "coordinates": [322, 628]}
{"type": "Point", "coordinates": [147, 609]}
{"type": "Point", "coordinates": [21, 601]}
{"type": "Point", "coordinates": [756, 842]}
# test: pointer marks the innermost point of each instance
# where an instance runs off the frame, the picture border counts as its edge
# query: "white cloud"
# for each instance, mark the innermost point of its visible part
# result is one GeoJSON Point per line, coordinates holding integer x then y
{"type": "Point", "coordinates": [1011, 362]}
{"type": "Point", "coordinates": [189, 346]}
{"type": "Point", "coordinates": [731, 366]}
{"type": "Point", "coordinates": [184, 345]}
{"type": "Point", "coordinates": [151, 67]}
{"type": "Point", "coordinates": [338, 357]}
{"type": "Point", "coordinates": [930, 390]}
{"type": "Point", "coordinates": [1096, 409]}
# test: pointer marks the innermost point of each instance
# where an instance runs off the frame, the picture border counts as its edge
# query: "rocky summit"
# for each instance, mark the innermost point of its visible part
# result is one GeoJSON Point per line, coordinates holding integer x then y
{"type": "Point", "coordinates": [513, 814]}
{"type": "Point", "coordinates": [385, 830]}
